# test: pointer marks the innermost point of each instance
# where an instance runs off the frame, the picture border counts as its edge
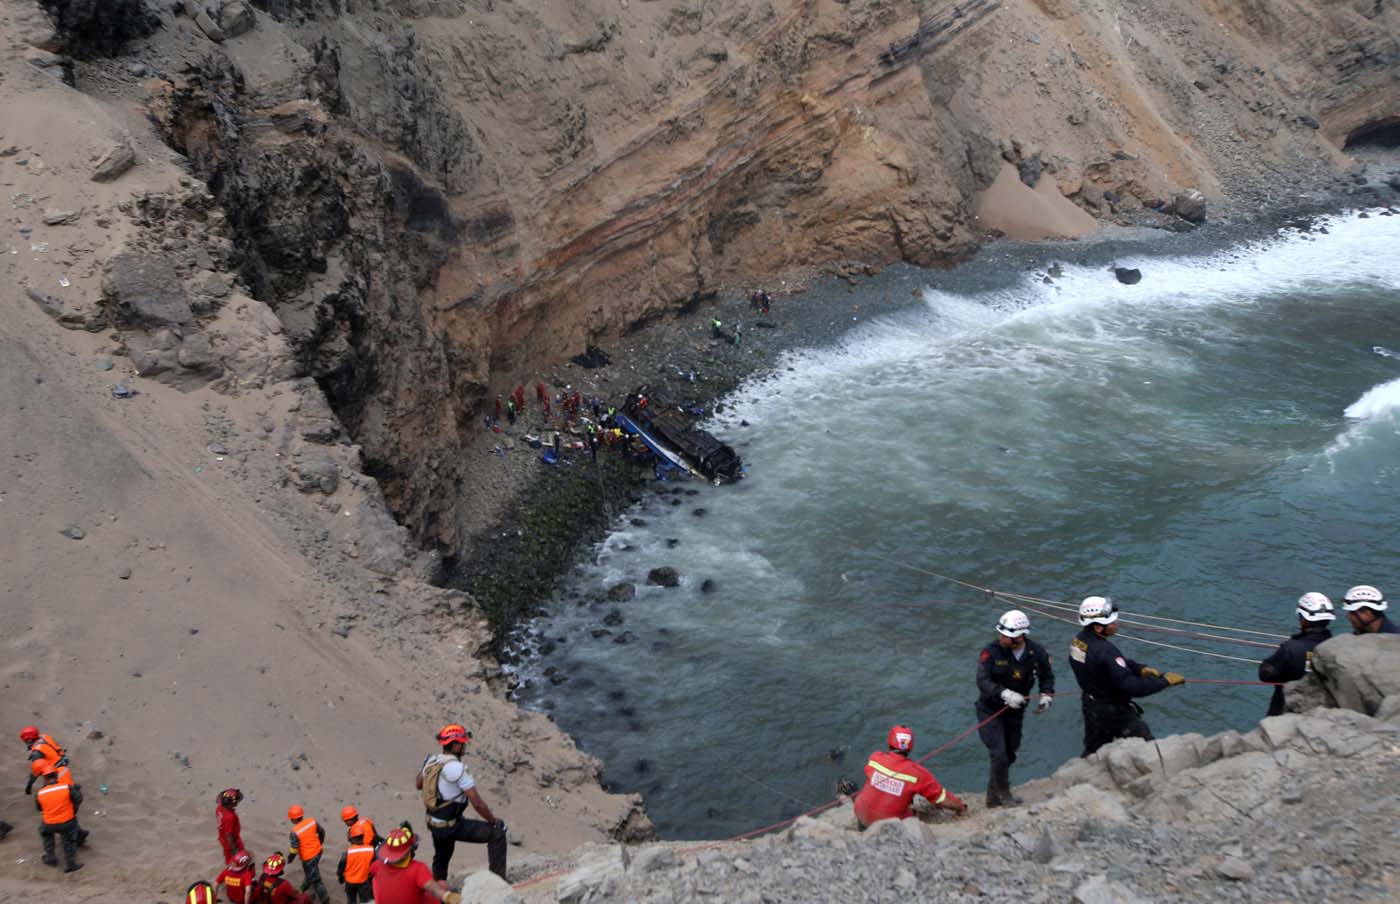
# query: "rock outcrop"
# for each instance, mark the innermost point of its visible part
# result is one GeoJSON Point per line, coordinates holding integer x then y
{"type": "Point", "coordinates": [1283, 812]}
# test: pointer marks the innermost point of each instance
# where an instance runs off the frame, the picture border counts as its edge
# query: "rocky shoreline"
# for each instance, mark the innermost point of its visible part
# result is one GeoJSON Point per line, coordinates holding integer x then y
{"type": "Point", "coordinates": [556, 514]}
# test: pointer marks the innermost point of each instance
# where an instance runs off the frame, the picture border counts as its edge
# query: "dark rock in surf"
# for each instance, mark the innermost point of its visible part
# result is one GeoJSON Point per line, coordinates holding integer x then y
{"type": "Point", "coordinates": [622, 593]}
{"type": "Point", "coordinates": [666, 576]}
{"type": "Point", "coordinates": [1128, 276]}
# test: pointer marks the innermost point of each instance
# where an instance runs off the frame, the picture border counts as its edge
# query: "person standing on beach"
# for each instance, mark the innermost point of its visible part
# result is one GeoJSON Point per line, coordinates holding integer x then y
{"type": "Point", "coordinates": [1109, 682]}
{"type": "Point", "coordinates": [447, 789]}
{"type": "Point", "coordinates": [59, 804]}
{"type": "Point", "coordinates": [230, 829]}
{"type": "Point", "coordinates": [307, 841]}
{"type": "Point", "coordinates": [1007, 670]}
{"type": "Point", "coordinates": [1293, 658]}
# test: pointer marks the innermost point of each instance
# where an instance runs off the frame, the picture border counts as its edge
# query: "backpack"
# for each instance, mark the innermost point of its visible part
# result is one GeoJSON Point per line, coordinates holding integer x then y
{"type": "Point", "coordinates": [432, 801]}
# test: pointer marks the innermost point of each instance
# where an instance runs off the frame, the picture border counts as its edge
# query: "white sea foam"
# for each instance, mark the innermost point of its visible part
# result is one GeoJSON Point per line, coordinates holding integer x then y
{"type": "Point", "coordinates": [1379, 401]}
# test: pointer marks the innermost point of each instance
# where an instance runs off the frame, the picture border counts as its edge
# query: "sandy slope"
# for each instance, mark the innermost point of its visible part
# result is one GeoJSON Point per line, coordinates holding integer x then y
{"type": "Point", "coordinates": [215, 662]}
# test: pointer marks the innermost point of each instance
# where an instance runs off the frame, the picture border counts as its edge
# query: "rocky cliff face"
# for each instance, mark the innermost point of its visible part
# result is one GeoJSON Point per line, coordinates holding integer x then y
{"type": "Point", "coordinates": [435, 195]}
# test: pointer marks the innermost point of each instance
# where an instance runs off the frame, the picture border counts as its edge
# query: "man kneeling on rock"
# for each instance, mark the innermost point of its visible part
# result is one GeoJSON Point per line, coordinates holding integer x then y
{"type": "Point", "coordinates": [892, 781]}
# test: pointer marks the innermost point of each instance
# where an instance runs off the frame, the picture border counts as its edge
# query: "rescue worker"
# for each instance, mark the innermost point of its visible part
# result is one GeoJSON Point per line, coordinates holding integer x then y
{"type": "Point", "coordinates": [65, 777]}
{"type": "Point", "coordinates": [361, 830]}
{"type": "Point", "coordinates": [307, 839]}
{"type": "Point", "coordinates": [272, 887]}
{"type": "Point", "coordinates": [892, 780]}
{"type": "Point", "coordinates": [455, 789]}
{"type": "Point", "coordinates": [353, 872]}
{"type": "Point", "coordinates": [399, 879]}
{"type": "Point", "coordinates": [1293, 658]}
{"type": "Point", "coordinates": [1365, 607]}
{"type": "Point", "coordinates": [200, 892]}
{"type": "Point", "coordinates": [230, 828]}
{"type": "Point", "coordinates": [237, 878]}
{"type": "Point", "coordinates": [42, 748]}
{"type": "Point", "coordinates": [1108, 681]}
{"type": "Point", "coordinates": [1007, 670]}
{"type": "Point", "coordinates": [59, 805]}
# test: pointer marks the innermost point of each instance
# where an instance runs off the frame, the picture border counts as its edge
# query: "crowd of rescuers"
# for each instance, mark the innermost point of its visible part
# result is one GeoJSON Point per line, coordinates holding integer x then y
{"type": "Point", "coordinates": [383, 869]}
{"type": "Point", "coordinates": [1011, 666]}
{"type": "Point", "coordinates": [372, 867]}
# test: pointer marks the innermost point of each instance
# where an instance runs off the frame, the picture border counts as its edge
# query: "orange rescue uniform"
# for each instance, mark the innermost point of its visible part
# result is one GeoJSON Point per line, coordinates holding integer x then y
{"type": "Point", "coordinates": [56, 802]}
{"type": "Point", "coordinates": [308, 841]}
{"type": "Point", "coordinates": [362, 831]}
{"type": "Point", "coordinates": [357, 863]}
{"type": "Point", "coordinates": [891, 782]}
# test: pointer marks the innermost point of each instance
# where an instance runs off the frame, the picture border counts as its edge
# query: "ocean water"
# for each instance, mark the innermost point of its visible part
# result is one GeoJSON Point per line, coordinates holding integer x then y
{"type": "Point", "coordinates": [1205, 445]}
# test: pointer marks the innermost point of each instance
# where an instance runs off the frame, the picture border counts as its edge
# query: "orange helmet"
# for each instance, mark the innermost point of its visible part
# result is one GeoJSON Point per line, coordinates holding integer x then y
{"type": "Point", "coordinates": [295, 812]}
{"type": "Point", "coordinates": [901, 739]}
{"type": "Point", "coordinates": [29, 733]}
{"type": "Point", "coordinates": [348, 812]}
{"type": "Point", "coordinates": [397, 846]}
{"type": "Point", "coordinates": [451, 734]}
{"type": "Point", "coordinates": [274, 865]}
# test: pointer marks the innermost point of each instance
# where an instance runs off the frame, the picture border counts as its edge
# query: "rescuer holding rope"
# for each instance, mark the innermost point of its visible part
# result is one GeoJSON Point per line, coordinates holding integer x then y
{"type": "Point", "coordinates": [892, 780]}
{"type": "Point", "coordinates": [1108, 681]}
{"type": "Point", "coordinates": [1007, 669]}
{"type": "Point", "coordinates": [1293, 658]}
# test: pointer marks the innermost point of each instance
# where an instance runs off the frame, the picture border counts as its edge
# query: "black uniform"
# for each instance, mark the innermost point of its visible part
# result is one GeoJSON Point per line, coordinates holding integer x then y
{"type": "Point", "coordinates": [998, 669]}
{"type": "Point", "coordinates": [1109, 683]}
{"type": "Point", "coordinates": [1387, 627]}
{"type": "Point", "coordinates": [1291, 661]}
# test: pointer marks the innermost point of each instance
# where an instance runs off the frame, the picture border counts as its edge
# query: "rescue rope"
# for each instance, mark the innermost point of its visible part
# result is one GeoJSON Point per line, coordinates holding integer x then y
{"type": "Point", "coordinates": [754, 833]}
{"type": "Point", "coordinates": [1155, 643]}
{"type": "Point", "coordinates": [1070, 607]}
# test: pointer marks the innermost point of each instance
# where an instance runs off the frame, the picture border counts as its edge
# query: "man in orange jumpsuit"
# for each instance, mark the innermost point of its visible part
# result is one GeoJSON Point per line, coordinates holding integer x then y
{"type": "Point", "coordinates": [230, 829]}
{"type": "Point", "coordinates": [307, 839]}
{"type": "Point", "coordinates": [892, 780]}
{"type": "Point", "coordinates": [237, 878]}
{"type": "Point", "coordinates": [59, 803]}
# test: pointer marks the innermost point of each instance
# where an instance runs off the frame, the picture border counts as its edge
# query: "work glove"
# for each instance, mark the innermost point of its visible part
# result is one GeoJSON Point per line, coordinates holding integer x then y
{"type": "Point", "coordinates": [1044, 703]}
{"type": "Point", "coordinates": [1173, 679]}
{"type": "Point", "coordinates": [1013, 699]}
{"type": "Point", "coordinates": [1148, 672]}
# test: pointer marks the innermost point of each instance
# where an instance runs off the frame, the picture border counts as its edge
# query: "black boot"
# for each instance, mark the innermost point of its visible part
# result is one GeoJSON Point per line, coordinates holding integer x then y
{"type": "Point", "coordinates": [1001, 777]}
{"type": "Point", "coordinates": [72, 867]}
{"type": "Point", "coordinates": [994, 798]}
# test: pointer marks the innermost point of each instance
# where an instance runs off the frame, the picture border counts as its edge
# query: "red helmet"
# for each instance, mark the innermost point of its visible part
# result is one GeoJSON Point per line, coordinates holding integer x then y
{"type": "Point", "coordinates": [295, 812]}
{"type": "Point", "coordinates": [242, 860]}
{"type": "Point", "coordinates": [451, 734]}
{"type": "Point", "coordinates": [901, 739]}
{"type": "Point", "coordinates": [274, 865]}
{"type": "Point", "coordinates": [348, 812]}
{"type": "Point", "coordinates": [200, 892]}
{"type": "Point", "coordinates": [29, 733]}
{"type": "Point", "coordinates": [397, 846]}
{"type": "Point", "coordinates": [230, 797]}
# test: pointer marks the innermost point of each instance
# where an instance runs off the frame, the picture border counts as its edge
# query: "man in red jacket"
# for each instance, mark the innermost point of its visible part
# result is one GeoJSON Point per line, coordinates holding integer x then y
{"type": "Point", "coordinates": [399, 879]}
{"type": "Point", "coordinates": [273, 888]}
{"type": "Point", "coordinates": [230, 830]}
{"type": "Point", "coordinates": [892, 780]}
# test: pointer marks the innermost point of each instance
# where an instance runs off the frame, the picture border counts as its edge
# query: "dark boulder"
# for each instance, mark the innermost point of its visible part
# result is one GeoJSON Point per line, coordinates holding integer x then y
{"type": "Point", "coordinates": [708, 586]}
{"type": "Point", "coordinates": [1128, 276]}
{"type": "Point", "coordinates": [613, 618]}
{"type": "Point", "coordinates": [622, 593]}
{"type": "Point", "coordinates": [665, 576]}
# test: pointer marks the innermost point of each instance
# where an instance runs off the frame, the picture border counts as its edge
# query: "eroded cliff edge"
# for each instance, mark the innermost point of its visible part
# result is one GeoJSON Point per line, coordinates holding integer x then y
{"type": "Point", "coordinates": [434, 195]}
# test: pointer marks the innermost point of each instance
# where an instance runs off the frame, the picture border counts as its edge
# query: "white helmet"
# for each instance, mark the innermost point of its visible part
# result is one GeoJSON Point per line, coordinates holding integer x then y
{"type": "Point", "coordinates": [1013, 623]}
{"type": "Point", "coordinates": [1097, 610]}
{"type": "Point", "coordinates": [1364, 596]}
{"type": "Point", "coordinates": [1315, 607]}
